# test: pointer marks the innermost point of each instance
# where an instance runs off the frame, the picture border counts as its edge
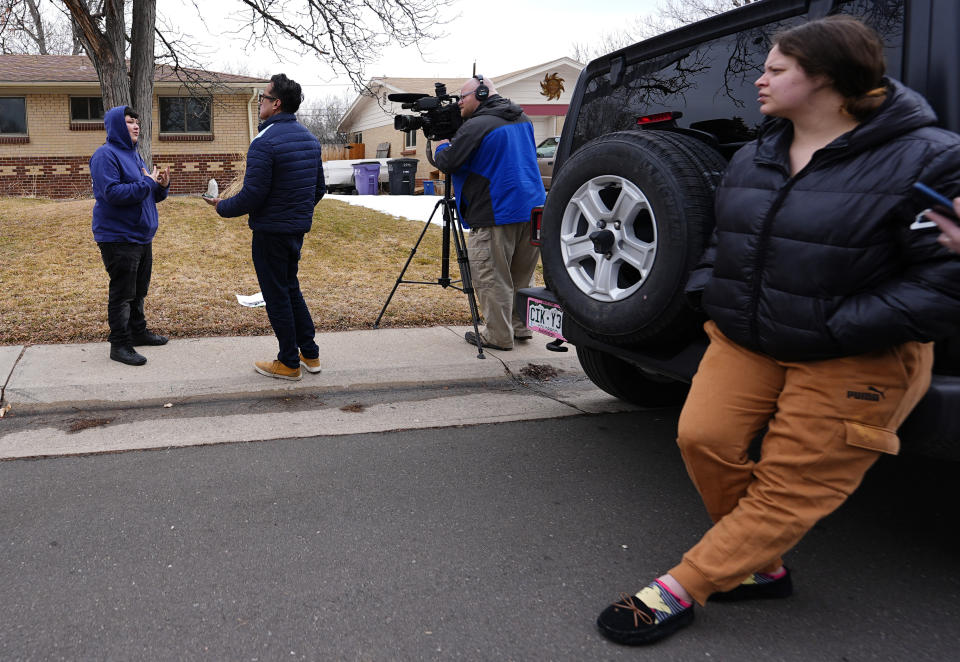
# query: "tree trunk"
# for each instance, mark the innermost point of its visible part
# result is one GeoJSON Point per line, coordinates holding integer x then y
{"type": "Point", "coordinates": [112, 71]}
{"type": "Point", "coordinates": [40, 33]}
{"type": "Point", "coordinates": [106, 49]}
{"type": "Point", "coordinates": [142, 62]}
{"type": "Point", "coordinates": [80, 44]}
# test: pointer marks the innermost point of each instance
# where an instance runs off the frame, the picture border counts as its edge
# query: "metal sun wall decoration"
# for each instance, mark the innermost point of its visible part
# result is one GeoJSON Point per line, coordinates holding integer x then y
{"type": "Point", "coordinates": [551, 86]}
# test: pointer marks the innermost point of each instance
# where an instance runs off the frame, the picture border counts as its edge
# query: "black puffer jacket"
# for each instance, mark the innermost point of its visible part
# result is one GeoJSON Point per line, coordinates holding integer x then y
{"type": "Point", "coordinates": [825, 263]}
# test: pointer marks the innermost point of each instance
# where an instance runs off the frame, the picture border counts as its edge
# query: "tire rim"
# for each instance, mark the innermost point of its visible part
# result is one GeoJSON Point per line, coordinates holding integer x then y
{"type": "Point", "coordinates": [618, 209]}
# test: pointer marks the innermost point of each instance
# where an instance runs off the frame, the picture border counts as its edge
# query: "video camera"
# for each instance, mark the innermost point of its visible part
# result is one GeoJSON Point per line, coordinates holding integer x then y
{"type": "Point", "coordinates": [439, 114]}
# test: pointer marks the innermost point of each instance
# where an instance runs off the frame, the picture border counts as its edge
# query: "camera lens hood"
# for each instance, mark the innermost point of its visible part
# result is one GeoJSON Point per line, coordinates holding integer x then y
{"type": "Point", "coordinates": [406, 97]}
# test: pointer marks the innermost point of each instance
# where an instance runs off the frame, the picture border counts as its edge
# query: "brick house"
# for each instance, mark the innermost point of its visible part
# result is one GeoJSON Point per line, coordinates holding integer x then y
{"type": "Point", "coordinates": [543, 91]}
{"type": "Point", "coordinates": [51, 121]}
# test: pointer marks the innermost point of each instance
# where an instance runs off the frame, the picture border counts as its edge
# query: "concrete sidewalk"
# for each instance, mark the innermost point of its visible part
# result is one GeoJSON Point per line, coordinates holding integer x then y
{"type": "Point", "coordinates": [61, 377]}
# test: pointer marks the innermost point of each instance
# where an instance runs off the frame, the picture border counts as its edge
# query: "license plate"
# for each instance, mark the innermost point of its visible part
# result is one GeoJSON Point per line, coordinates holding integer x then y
{"type": "Point", "coordinates": [545, 317]}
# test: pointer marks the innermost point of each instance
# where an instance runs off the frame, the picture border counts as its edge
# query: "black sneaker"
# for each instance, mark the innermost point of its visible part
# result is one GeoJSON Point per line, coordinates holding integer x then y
{"type": "Point", "coordinates": [758, 587]}
{"type": "Point", "coordinates": [471, 338]}
{"type": "Point", "coordinates": [149, 338]}
{"type": "Point", "coordinates": [634, 622]}
{"type": "Point", "coordinates": [126, 354]}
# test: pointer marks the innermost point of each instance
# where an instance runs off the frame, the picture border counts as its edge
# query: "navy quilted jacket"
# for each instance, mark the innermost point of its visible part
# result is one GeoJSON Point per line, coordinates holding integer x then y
{"type": "Point", "coordinates": [829, 262]}
{"type": "Point", "coordinates": [283, 181]}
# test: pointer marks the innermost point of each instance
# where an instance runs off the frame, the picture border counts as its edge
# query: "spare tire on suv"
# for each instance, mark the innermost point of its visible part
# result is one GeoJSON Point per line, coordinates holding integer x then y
{"type": "Point", "coordinates": [626, 220]}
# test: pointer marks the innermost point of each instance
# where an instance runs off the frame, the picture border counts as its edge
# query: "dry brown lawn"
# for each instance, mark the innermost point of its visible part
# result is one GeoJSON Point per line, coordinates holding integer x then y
{"type": "Point", "coordinates": [53, 286]}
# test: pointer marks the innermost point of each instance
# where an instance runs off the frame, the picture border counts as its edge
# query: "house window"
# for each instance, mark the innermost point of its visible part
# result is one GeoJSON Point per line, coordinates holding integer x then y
{"type": "Point", "coordinates": [410, 140]}
{"type": "Point", "coordinates": [185, 115]}
{"type": "Point", "coordinates": [358, 137]}
{"type": "Point", "coordinates": [13, 116]}
{"type": "Point", "coordinates": [83, 109]}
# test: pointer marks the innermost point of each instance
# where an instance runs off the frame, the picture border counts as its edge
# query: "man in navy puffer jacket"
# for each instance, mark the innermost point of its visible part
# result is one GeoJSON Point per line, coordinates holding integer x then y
{"type": "Point", "coordinates": [124, 222]}
{"type": "Point", "coordinates": [282, 185]}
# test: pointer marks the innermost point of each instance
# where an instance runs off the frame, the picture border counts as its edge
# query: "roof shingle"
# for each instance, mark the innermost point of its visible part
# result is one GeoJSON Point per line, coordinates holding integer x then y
{"type": "Point", "coordinates": [79, 69]}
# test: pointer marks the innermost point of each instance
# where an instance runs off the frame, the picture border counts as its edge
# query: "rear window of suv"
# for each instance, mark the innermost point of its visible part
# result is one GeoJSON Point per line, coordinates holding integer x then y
{"type": "Point", "coordinates": [711, 83]}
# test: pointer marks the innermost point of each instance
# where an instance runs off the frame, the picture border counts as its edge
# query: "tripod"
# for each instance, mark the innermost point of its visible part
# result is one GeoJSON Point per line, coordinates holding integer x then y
{"type": "Point", "coordinates": [451, 227]}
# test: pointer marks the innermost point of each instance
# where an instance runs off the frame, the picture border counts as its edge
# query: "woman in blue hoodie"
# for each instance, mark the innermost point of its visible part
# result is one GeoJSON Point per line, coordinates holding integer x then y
{"type": "Point", "coordinates": [124, 222]}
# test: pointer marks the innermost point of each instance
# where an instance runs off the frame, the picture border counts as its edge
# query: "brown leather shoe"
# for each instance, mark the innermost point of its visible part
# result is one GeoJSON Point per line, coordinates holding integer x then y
{"type": "Point", "coordinates": [312, 365]}
{"type": "Point", "coordinates": [278, 370]}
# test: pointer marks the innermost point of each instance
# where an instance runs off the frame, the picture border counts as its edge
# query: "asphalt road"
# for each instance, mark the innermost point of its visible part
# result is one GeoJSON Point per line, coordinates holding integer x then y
{"type": "Point", "coordinates": [491, 542]}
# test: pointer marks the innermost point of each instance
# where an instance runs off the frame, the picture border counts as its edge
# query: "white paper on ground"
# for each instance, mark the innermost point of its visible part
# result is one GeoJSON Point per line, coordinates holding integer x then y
{"type": "Point", "coordinates": [251, 301]}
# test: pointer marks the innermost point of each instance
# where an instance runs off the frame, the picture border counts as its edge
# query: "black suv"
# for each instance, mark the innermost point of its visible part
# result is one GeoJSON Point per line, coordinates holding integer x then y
{"type": "Point", "coordinates": [648, 134]}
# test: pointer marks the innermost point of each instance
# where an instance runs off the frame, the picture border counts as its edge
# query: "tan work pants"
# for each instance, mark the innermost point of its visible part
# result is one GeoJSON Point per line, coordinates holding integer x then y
{"type": "Point", "coordinates": [827, 423]}
{"type": "Point", "coordinates": [502, 261]}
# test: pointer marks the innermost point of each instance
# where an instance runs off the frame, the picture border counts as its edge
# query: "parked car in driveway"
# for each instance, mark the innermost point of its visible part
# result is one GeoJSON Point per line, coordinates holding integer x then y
{"type": "Point", "coordinates": [545, 153]}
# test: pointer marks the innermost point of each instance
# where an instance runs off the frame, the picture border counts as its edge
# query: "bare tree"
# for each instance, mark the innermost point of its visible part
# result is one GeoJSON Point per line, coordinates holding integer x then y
{"type": "Point", "coordinates": [21, 30]}
{"type": "Point", "coordinates": [104, 38]}
{"type": "Point", "coordinates": [322, 116]}
{"type": "Point", "coordinates": [607, 43]}
{"type": "Point", "coordinates": [32, 27]}
{"type": "Point", "coordinates": [670, 14]}
{"type": "Point", "coordinates": [349, 34]}
{"type": "Point", "coordinates": [142, 68]}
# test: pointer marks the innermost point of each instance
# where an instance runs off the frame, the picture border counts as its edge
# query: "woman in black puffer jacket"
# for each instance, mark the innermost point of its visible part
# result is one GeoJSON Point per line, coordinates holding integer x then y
{"type": "Point", "coordinates": [823, 297]}
{"type": "Point", "coordinates": [822, 262]}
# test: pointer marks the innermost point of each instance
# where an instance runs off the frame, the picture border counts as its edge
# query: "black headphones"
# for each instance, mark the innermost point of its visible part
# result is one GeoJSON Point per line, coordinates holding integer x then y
{"type": "Point", "coordinates": [482, 91]}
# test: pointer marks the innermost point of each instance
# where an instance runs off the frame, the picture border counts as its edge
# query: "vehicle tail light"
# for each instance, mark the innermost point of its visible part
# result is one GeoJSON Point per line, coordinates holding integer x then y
{"type": "Point", "coordinates": [658, 118]}
{"type": "Point", "coordinates": [536, 225]}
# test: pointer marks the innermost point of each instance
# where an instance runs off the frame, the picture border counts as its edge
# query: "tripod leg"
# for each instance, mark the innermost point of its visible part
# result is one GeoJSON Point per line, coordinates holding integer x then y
{"type": "Point", "coordinates": [413, 251]}
{"type": "Point", "coordinates": [444, 280]}
{"type": "Point", "coordinates": [463, 261]}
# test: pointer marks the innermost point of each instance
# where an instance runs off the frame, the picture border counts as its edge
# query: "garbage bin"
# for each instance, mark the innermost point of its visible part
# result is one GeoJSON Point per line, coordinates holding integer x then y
{"type": "Point", "coordinates": [366, 177]}
{"type": "Point", "coordinates": [428, 187]}
{"type": "Point", "coordinates": [403, 176]}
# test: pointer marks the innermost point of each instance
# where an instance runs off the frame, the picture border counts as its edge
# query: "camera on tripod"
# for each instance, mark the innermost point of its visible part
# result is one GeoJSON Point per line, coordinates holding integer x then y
{"type": "Point", "coordinates": [439, 114]}
{"type": "Point", "coordinates": [439, 118]}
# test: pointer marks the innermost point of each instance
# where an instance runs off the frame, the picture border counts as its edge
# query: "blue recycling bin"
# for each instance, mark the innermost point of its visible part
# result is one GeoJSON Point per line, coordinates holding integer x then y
{"type": "Point", "coordinates": [428, 187]}
{"type": "Point", "coordinates": [366, 177]}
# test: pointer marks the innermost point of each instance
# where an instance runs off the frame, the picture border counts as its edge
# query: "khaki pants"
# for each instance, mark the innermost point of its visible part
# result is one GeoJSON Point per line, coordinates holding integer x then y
{"type": "Point", "coordinates": [502, 261]}
{"type": "Point", "coordinates": [827, 423]}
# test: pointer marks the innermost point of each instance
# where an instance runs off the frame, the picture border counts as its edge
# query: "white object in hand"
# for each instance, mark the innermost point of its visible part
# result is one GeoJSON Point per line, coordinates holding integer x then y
{"type": "Point", "coordinates": [213, 190]}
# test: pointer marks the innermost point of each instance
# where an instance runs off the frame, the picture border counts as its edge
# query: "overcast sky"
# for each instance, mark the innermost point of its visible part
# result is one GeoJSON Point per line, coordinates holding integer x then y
{"type": "Point", "coordinates": [500, 35]}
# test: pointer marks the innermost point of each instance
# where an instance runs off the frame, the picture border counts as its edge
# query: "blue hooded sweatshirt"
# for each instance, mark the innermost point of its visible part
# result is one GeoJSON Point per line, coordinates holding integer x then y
{"type": "Point", "coordinates": [126, 198]}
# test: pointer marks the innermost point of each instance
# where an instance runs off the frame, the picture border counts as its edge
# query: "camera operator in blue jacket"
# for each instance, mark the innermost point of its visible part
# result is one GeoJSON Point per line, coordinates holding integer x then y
{"type": "Point", "coordinates": [282, 184]}
{"type": "Point", "coordinates": [124, 223]}
{"type": "Point", "coordinates": [492, 159]}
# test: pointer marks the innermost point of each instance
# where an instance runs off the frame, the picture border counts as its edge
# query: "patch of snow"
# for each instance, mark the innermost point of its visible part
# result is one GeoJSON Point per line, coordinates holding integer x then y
{"type": "Point", "coordinates": [412, 207]}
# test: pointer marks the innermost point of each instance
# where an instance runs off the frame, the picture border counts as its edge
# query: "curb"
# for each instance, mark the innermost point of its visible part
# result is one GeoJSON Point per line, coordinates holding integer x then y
{"type": "Point", "coordinates": [44, 378]}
